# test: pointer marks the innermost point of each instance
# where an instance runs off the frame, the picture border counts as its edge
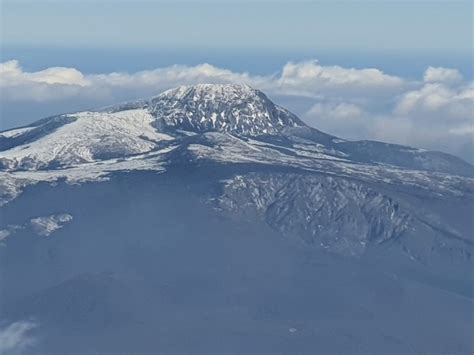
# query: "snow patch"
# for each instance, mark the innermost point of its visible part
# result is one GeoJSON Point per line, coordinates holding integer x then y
{"type": "Point", "coordinates": [45, 226]}
{"type": "Point", "coordinates": [12, 133]}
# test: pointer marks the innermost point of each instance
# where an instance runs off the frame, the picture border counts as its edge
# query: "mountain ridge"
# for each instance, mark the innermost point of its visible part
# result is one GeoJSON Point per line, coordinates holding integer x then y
{"type": "Point", "coordinates": [143, 126]}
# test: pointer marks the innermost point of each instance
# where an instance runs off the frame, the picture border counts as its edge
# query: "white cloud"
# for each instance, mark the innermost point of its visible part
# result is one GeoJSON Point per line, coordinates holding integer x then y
{"type": "Point", "coordinates": [339, 118]}
{"type": "Point", "coordinates": [311, 78]}
{"type": "Point", "coordinates": [432, 115]}
{"type": "Point", "coordinates": [343, 110]}
{"type": "Point", "coordinates": [11, 73]}
{"type": "Point", "coordinates": [463, 130]}
{"type": "Point", "coordinates": [50, 84]}
{"type": "Point", "coordinates": [442, 75]}
{"type": "Point", "coordinates": [15, 337]}
{"type": "Point", "coordinates": [304, 78]}
{"type": "Point", "coordinates": [438, 101]}
{"type": "Point", "coordinates": [435, 112]}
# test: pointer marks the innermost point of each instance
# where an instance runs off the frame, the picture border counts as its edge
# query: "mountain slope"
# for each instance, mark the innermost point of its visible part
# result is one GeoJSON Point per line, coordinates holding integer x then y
{"type": "Point", "coordinates": [209, 212]}
{"type": "Point", "coordinates": [156, 269]}
{"type": "Point", "coordinates": [147, 125]}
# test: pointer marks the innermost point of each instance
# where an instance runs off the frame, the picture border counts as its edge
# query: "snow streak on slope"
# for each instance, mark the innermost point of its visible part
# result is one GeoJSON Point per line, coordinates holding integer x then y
{"type": "Point", "coordinates": [13, 183]}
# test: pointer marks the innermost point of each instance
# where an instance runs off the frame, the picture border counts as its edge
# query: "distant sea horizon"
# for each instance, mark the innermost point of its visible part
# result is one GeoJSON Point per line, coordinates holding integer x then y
{"type": "Point", "coordinates": [406, 64]}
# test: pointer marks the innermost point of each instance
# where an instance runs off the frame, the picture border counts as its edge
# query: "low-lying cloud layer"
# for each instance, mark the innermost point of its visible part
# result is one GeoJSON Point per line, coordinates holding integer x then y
{"type": "Point", "coordinates": [434, 112]}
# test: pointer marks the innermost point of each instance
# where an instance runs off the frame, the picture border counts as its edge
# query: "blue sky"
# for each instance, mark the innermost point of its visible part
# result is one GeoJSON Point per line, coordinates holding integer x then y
{"type": "Point", "coordinates": [278, 25]}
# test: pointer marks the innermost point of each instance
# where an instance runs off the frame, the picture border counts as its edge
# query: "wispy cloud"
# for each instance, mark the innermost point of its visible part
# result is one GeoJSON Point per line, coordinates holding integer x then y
{"type": "Point", "coordinates": [16, 337]}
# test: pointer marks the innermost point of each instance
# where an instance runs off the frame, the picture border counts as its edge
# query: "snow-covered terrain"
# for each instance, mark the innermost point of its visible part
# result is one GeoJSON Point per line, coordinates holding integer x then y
{"type": "Point", "coordinates": [88, 137]}
{"type": "Point", "coordinates": [214, 205]}
{"type": "Point", "coordinates": [237, 109]}
{"type": "Point", "coordinates": [42, 226]}
{"type": "Point", "coordinates": [45, 226]}
{"type": "Point", "coordinates": [220, 123]}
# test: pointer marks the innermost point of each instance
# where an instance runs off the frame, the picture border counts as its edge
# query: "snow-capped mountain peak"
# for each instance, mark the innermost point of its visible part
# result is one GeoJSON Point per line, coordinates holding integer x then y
{"type": "Point", "coordinates": [142, 126]}
{"type": "Point", "coordinates": [237, 109]}
{"type": "Point", "coordinates": [228, 123]}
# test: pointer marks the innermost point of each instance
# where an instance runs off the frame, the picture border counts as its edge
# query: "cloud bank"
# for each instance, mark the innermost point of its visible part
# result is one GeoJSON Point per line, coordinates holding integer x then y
{"type": "Point", "coordinates": [434, 112]}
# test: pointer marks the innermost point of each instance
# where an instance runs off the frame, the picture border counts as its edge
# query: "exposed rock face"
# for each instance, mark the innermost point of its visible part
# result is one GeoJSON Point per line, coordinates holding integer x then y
{"type": "Point", "coordinates": [237, 109]}
{"type": "Point", "coordinates": [336, 214]}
